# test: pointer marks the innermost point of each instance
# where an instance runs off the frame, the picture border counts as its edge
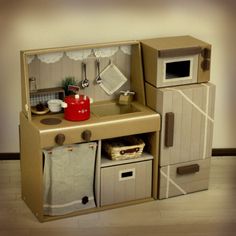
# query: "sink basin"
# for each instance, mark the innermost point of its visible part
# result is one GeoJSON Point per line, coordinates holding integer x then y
{"type": "Point", "coordinates": [111, 109]}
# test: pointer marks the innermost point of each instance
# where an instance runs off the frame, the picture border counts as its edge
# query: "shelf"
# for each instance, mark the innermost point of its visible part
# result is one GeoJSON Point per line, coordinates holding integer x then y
{"type": "Point", "coordinates": [44, 95]}
{"type": "Point", "coordinates": [105, 162]}
{"type": "Point", "coordinates": [47, 90]}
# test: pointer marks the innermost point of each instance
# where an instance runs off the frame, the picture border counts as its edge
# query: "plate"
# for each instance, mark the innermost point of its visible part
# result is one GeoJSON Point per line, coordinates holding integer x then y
{"type": "Point", "coordinates": [34, 111]}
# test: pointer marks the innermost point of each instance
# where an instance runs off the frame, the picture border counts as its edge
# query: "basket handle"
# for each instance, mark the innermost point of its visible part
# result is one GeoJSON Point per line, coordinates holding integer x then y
{"type": "Point", "coordinates": [131, 150]}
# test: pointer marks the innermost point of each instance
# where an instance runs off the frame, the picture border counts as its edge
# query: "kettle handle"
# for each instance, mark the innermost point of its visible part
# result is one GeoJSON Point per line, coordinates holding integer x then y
{"type": "Point", "coordinates": [64, 105]}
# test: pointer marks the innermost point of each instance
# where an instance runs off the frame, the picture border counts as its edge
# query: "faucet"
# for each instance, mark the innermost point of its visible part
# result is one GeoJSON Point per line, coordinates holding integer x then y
{"type": "Point", "coordinates": [126, 97]}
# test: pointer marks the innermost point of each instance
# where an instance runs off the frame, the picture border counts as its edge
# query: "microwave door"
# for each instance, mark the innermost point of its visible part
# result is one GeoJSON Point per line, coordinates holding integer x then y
{"type": "Point", "coordinates": [177, 71]}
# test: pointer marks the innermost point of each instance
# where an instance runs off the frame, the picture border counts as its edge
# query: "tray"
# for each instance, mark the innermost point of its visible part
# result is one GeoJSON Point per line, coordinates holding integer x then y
{"type": "Point", "coordinates": [34, 111]}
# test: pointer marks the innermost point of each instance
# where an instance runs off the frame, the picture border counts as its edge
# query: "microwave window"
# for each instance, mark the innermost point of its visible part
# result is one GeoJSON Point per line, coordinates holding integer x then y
{"type": "Point", "coordinates": [178, 69]}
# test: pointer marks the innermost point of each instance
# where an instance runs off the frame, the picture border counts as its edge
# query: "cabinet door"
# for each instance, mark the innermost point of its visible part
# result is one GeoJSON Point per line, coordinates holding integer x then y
{"type": "Point", "coordinates": [187, 122]}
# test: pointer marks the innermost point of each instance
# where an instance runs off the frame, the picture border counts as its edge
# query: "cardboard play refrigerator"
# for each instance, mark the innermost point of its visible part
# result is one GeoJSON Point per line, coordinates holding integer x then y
{"type": "Point", "coordinates": [177, 71]}
{"type": "Point", "coordinates": [186, 139]}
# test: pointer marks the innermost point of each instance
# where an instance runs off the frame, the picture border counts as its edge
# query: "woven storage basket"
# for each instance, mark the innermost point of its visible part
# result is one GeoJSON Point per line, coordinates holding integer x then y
{"type": "Point", "coordinates": [124, 148]}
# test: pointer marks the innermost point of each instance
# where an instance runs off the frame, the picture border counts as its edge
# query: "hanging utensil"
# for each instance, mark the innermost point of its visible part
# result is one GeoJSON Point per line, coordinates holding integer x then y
{"type": "Point", "coordinates": [85, 81]}
{"type": "Point", "coordinates": [98, 78]}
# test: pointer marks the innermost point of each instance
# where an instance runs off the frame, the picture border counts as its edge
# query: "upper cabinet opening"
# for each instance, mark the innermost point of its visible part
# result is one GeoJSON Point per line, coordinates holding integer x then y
{"type": "Point", "coordinates": [100, 72]}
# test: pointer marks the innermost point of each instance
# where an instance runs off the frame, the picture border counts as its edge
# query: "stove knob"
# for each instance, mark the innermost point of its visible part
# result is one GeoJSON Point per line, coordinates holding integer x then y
{"type": "Point", "coordinates": [85, 200]}
{"type": "Point", "coordinates": [206, 53]}
{"type": "Point", "coordinates": [86, 135]}
{"type": "Point", "coordinates": [60, 139]}
{"type": "Point", "coordinates": [205, 65]}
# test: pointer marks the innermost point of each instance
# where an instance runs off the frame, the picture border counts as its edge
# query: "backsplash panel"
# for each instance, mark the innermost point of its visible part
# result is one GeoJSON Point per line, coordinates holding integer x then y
{"type": "Point", "coordinates": [52, 74]}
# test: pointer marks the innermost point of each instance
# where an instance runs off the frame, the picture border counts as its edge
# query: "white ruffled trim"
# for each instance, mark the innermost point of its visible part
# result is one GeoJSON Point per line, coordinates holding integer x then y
{"type": "Point", "coordinates": [30, 59]}
{"type": "Point", "coordinates": [51, 57]}
{"type": "Point", "coordinates": [105, 52]}
{"type": "Point", "coordinates": [79, 55]}
{"type": "Point", "coordinates": [126, 49]}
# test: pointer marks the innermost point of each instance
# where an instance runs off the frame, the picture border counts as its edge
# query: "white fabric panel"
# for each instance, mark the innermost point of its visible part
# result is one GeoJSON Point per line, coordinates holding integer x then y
{"type": "Point", "coordinates": [69, 178]}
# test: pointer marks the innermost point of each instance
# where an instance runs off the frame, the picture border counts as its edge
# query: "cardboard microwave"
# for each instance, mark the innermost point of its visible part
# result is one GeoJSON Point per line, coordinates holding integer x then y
{"type": "Point", "coordinates": [175, 61]}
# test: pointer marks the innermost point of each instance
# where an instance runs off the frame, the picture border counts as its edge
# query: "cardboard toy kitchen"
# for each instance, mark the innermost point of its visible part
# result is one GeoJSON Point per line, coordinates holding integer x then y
{"type": "Point", "coordinates": [114, 124]}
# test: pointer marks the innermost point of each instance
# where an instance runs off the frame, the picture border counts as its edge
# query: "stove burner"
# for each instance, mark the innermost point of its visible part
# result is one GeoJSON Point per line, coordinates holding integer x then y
{"type": "Point", "coordinates": [51, 121]}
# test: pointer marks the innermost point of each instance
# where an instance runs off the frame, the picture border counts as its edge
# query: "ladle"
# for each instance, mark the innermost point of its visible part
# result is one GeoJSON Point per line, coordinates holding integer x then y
{"type": "Point", "coordinates": [85, 81]}
{"type": "Point", "coordinates": [98, 78]}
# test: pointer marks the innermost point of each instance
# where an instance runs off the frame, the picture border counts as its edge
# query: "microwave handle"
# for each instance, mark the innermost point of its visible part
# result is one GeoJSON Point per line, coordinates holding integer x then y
{"type": "Point", "coordinates": [169, 129]}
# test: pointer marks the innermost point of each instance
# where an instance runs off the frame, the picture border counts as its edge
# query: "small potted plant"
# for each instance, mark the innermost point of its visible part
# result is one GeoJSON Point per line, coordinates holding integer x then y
{"type": "Point", "coordinates": [69, 80]}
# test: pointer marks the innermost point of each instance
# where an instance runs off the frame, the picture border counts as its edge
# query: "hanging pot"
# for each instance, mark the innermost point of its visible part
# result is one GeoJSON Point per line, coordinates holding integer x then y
{"type": "Point", "coordinates": [77, 107]}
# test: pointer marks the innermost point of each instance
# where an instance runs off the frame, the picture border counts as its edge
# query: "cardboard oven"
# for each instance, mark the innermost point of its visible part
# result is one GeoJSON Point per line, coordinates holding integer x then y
{"type": "Point", "coordinates": [176, 61]}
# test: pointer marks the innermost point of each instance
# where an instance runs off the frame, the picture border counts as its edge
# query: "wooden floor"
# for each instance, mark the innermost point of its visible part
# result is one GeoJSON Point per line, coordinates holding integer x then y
{"type": "Point", "coordinates": [211, 212]}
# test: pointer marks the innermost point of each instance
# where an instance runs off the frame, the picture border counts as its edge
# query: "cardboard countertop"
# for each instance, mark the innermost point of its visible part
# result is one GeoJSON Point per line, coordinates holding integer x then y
{"type": "Point", "coordinates": [93, 120]}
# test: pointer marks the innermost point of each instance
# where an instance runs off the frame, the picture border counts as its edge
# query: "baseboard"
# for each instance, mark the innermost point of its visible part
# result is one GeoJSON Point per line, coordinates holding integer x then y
{"type": "Point", "coordinates": [215, 152]}
{"type": "Point", "coordinates": [10, 156]}
{"type": "Point", "coordinates": [224, 152]}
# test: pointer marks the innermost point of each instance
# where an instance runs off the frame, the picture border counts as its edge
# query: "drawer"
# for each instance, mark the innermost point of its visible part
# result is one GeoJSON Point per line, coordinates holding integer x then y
{"type": "Point", "coordinates": [184, 178]}
{"type": "Point", "coordinates": [126, 182]}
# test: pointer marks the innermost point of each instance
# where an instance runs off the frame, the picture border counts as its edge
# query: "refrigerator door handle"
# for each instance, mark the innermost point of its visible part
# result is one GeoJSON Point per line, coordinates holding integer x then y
{"type": "Point", "coordinates": [169, 129]}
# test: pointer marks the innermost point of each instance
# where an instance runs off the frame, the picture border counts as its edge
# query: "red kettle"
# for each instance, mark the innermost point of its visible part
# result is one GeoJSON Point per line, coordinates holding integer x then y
{"type": "Point", "coordinates": [77, 107]}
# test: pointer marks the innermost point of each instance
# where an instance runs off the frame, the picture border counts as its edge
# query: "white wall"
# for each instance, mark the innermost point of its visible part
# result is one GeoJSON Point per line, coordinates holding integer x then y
{"type": "Point", "coordinates": [27, 25]}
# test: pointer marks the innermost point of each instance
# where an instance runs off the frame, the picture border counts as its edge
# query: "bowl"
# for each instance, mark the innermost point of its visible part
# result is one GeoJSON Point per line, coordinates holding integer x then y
{"type": "Point", "coordinates": [54, 105]}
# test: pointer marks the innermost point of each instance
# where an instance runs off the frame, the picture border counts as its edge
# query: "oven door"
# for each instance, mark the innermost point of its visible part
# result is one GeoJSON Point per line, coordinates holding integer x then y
{"type": "Point", "coordinates": [174, 71]}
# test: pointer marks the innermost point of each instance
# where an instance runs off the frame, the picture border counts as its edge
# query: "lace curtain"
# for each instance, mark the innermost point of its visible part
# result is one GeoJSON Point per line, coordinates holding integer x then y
{"type": "Point", "coordinates": [80, 54]}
